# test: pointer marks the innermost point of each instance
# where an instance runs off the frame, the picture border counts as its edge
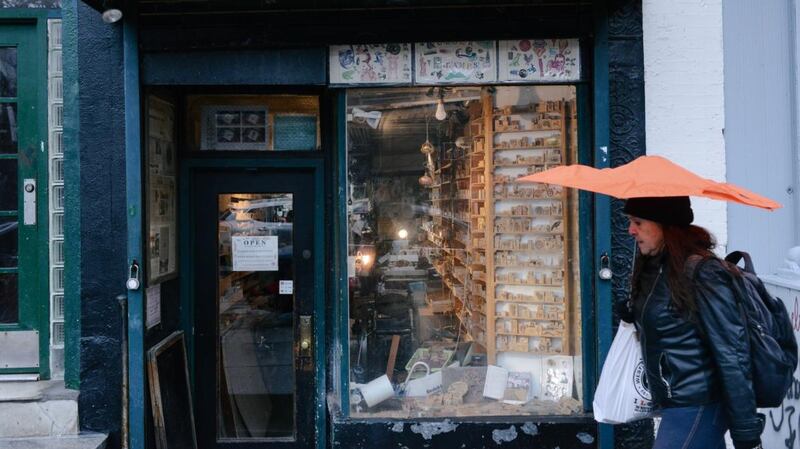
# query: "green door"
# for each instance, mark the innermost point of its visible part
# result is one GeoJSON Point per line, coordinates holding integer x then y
{"type": "Point", "coordinates": [23, 285]}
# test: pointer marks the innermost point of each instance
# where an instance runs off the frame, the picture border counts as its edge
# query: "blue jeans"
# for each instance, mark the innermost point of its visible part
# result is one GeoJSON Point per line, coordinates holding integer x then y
{"type": "Point", "coordinates": [693, 427]}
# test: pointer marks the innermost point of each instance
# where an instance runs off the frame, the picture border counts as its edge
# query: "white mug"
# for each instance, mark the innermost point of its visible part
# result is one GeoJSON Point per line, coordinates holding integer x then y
{"type": "Point", "coordinates": [377, 391]}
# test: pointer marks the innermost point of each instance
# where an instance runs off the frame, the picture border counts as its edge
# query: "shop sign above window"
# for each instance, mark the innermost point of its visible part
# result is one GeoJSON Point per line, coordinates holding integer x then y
{"type": "Point", "coordinates": [465, 62]}
{"type": "Point", "coordinates": [370, 64]}
{"type": "Point", "coordinates": [469, 62]}
{"type": "Point", "coordinates": [527, 60]}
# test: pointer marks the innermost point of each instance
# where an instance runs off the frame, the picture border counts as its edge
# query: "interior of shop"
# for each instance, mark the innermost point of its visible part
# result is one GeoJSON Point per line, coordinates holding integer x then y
{"type": "Point", "coordinates": [464, 292]}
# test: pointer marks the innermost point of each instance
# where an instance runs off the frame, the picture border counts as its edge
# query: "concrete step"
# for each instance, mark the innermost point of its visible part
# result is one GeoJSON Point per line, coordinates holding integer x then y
{"type": "Point", "coordinates": [37, 409]}
{"type": "Point", "coordinates": [82, 441]}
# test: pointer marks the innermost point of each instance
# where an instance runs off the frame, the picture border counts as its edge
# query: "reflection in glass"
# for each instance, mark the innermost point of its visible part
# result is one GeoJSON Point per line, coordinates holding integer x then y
{"type": "Point", "coordinates": [8, 242]}
{"type": "Point", "coordinates": [8, 184]}
{"type": "Point", "coordinates": [461, 275]}
{"type": "Point", "coordinates": [9, 303]}
{"type": "Point", "coordinates": [9, 138]}
{"type": "Point", "coordinates": [256, 324]}
{"type": "Point", "coordinates": [8, 72]}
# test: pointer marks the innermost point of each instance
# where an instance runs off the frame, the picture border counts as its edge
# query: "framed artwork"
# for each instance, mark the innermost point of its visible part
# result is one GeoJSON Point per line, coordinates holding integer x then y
{"type": "Point", "coordinates": [234, 127]}
{"type": "Point", "coordinates": [170, 394]}
{"type": "Point", "coordinates": [161, 192]}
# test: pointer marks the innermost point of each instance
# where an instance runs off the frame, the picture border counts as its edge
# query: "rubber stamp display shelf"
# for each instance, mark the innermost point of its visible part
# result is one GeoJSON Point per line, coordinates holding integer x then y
{"type": "Point", "coordinates": [504, 244]}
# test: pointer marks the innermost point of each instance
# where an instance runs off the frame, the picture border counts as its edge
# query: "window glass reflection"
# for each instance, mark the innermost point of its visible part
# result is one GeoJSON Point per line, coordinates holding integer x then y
{"type": "Point", "coordinates": [464, 297]}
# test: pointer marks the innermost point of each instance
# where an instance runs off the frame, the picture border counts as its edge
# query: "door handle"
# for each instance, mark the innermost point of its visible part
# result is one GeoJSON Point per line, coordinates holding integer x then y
{"type": "Point", "coordinates": [306, 339]}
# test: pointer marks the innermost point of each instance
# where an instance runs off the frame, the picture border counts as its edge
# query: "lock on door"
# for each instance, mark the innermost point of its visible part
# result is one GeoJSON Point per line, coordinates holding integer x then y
{"type": "Point", "coordinates": [306, 340]}
{"type": "Point", "coordinates": [29, 201]}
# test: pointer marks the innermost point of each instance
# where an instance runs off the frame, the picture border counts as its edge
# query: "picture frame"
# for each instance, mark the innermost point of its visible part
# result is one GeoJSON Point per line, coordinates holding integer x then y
{"type": "Point", "coordinates": [171, 394]}
{"type": "Point", "coordinates": [234, 127]}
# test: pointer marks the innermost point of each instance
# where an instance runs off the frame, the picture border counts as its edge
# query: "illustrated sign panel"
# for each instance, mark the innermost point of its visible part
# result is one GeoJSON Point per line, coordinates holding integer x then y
{"type": "Point", "coordinates": [465, 62]}
{"type": "Point", "coordinates": [255, 253]}
{"type": "Point", "coordinates": [527, 60]}
{"type": "Point", "coordinates": [370, 64]}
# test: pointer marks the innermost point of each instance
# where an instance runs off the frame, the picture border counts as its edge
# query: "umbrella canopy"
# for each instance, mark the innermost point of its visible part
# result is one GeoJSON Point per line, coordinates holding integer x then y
{"type": "Point", "coordinates": [648, 176]}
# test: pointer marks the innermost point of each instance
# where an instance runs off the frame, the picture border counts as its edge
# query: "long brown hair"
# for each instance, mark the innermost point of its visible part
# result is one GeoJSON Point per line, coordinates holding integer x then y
{"type": "Point", "coordinates": [680, 242]}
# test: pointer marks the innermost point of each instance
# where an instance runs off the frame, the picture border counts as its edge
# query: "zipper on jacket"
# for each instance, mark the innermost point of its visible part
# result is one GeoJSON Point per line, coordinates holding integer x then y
{"type": "Point", "coordinates": [644, 309]}
{"type": "Point", "coordinates": [663, 379]}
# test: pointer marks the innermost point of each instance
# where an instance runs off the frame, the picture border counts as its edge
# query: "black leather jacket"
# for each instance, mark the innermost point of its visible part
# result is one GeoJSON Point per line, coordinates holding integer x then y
{"type": "Point", "coordinates": [697, 362]}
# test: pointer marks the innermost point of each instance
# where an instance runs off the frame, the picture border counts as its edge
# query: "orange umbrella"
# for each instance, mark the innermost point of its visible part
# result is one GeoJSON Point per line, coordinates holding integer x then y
{"type": "Point", "coordinates": [648, 176]}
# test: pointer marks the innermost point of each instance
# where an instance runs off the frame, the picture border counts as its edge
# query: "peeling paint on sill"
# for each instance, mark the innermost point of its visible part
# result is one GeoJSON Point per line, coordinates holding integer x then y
{"type": "Point", "coordinates": [530, 428]}
{"type": "Point", "coordinates": [585, 438]}
{"type": "Point", "coordinates": [429, 429]}
{"type": "Point", "coordinates": [504, 436]}
{"type": "Point", "coordinates": [397, 427]}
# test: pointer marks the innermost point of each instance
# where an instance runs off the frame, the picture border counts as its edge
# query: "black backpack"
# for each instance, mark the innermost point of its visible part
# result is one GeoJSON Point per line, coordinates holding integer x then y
{"type": "Point", "coordinates": [773, 347]}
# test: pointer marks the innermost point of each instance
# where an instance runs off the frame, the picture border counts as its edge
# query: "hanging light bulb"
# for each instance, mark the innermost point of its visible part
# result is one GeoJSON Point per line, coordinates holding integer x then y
{"type": "Point", "coordinates": [441, 114]}
{"type": "Point", "coordinates": [427, 147]}
{"type": "Point", "coordinates": [402, 233]}
{"type": "Point", "coordinates": [425, 180]}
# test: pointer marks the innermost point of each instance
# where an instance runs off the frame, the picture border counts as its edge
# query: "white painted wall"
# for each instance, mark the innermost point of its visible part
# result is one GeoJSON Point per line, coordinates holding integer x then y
{"type": "Point", "coordinates": [684, 98]}
{"type": "Point", "coordinates": [760, 51]}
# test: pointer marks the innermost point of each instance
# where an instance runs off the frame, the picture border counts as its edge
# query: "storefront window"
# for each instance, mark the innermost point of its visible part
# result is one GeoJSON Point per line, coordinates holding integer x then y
{"type": "Point", "coordinates": [253, 122]}
{"type": "Point", "coordinates": [464, 294]}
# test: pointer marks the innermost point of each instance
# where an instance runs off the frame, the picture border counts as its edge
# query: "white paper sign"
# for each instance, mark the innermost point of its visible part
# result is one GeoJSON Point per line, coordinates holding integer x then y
{"type": "Point", "coordinates": [153, 314]}
{"type": "Point", "coordinates": [255, 253]}
{"type": "Point", "coordinates": [286, 287]}
{"type": "Point", "coordinates": [495, 386]}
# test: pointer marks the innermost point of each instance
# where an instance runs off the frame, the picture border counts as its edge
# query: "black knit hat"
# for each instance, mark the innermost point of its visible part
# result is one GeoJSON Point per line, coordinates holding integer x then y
{"type": "Point", "coordinates": [674, 210]}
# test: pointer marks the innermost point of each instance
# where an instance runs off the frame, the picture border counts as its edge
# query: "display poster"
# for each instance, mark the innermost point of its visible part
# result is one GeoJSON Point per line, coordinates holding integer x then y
{"type": "Point", "coordinates": [153, 312]}
{"type": "Point", "coordinates": [234, 127]}
{"type": "Point", "coordinates": [161, 198]}
{"type": "Point", "coordinates": [255, 253]}
{"type": "Point", "coordinates": [370, 64]}
{"type": "Point", "coordinates": [526, 60]}
{"type": "Point", "coordinates": [466, 62]}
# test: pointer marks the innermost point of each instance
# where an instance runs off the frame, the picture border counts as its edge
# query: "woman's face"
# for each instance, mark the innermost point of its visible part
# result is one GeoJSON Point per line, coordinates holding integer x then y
{"type": "Point", "coordinates": [648, 234]}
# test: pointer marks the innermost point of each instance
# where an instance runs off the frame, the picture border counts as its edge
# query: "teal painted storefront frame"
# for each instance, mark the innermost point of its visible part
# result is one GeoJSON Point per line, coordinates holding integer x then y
{"type": "Point", "coordinates": [602, 205]}
{"type": "Point", "coordinates": [320, 274]}
{"type": "Point", "coordinates": [133, 186]}
{"type": "Point", "coordinates": [72, 194]}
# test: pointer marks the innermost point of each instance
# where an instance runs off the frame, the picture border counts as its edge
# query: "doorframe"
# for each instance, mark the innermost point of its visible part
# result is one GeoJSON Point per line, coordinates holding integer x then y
{"type": "Point", "coordinates": [188, 167]}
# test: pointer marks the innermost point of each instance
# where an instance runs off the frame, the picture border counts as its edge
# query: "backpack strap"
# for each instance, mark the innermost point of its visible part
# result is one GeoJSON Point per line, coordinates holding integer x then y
{"type": "Point", "coordinates": [736, 256]}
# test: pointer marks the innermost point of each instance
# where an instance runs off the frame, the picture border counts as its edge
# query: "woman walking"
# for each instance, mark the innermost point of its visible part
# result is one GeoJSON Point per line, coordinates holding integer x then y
{"type": "Point", "coordinates": [693, 338]}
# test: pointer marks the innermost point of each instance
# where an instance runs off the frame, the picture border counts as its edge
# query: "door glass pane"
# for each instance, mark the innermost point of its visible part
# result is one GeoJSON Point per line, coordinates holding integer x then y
{"type": "Point", "coordinates": [8, 184]}
{"type": "Point", "coordinates": [9, 311]}
{"type": "Point", "coordinates": [8, 242]}
{"type": "Point", "coordinates": [8, 128]}
{"type": "Point", "coordinates": [256, 377]}
{"type": "Point", "coordinates": [8, 72]}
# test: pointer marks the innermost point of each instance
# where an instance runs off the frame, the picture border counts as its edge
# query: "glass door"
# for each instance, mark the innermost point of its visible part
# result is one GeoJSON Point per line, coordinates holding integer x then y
{"type": "Point", "coordinates": [254, 302]}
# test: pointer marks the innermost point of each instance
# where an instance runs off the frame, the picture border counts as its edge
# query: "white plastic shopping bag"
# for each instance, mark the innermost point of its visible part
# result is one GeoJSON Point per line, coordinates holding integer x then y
{"type": "Point", "coordinates": [622, 395]}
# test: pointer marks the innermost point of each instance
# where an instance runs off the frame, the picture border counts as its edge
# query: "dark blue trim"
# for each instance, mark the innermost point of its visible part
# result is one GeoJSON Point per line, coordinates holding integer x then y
{"type": "Point", "coordinates": [342, 309]}
{"type": "Point", "coordinates": [274, 67]}
{"type": "Point", "coordinates": [133, 185]}
{"type": "Point", "coordinates": [586, 246]}
{"type": "Point", "coordinates": [602, 208]}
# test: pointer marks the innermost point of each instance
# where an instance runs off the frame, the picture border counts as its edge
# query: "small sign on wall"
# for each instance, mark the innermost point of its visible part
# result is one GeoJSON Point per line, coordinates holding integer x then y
{"type": "Point", "coordinates": [255, 253]}
{"type": "Point", "coordinates": [153, 314]}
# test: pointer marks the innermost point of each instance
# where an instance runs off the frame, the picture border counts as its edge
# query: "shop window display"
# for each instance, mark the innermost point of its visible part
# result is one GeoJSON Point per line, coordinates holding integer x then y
{"type": "Point", "coordinates": [464, 298]}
